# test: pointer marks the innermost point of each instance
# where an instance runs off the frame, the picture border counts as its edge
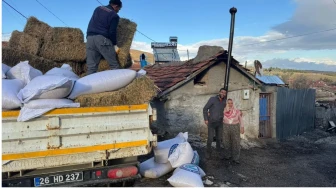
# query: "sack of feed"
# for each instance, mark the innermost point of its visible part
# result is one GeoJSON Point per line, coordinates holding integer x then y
{"type": "Point", "coordinates": [46, 87]}
{"type": "Point", "coordinates": [5, 69]}
{"type": "Point", "coordinates": [10, 89]}
{"type": "Point", "coordinates": [105, 81]}
{"type": "Point", "coordinates": [151, 169]}
{"type": "Point", "coordinates": [24, 72]}
{"type": "Point", "coordinates": [161, 151]}
{"type": "Point", "coordinates": [36, 108]}
{"type": "Point", "coordinates": [196, 159]}
{"type": "Point", "coordinates": [65, 71]}
{"type": "Point", "coordinates": [187, 175]}
{"type": "Point", "coordinates": [180, 154]}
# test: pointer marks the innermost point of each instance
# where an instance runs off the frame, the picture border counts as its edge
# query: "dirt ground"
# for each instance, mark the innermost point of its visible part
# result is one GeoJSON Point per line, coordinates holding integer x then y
{"type": "Point", "coordinates": [308, 160]}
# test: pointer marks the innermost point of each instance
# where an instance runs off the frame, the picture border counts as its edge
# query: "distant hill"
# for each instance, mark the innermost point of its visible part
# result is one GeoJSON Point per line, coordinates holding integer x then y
{"type": "Point", "coordinates": [136, 55]}
{"type": "Point", "coordinates": [330, 73]}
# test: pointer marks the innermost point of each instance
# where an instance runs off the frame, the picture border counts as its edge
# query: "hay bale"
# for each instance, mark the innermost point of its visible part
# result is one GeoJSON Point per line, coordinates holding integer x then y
{"type": "Point", "coordinates": [77, 68]}
{"type": "Point", "coordinates": [125, 34]}
{"type": "Point", "coordinates": [25, 42]}
{"type": "Point", "coordinates": [64, 34]}
{"type": "Point", "coordinates": [36, 28]}
{"type": "Point", "coordinates": [64, 51]}
{"type": "Point", "coordinates": [11, 57]}
{"type": "Point", "coordinates": [140, 91]}
{"type": "Point", "coordinates": [103, 65]}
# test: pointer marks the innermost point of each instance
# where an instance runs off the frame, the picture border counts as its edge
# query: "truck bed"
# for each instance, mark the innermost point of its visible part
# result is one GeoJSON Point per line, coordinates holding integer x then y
{"type": "Point", "coordinates": [73, 136]}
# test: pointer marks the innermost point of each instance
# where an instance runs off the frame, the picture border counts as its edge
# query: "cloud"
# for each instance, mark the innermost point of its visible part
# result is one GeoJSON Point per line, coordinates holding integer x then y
{"type": "Point", "coordinates": [302, 65]}
{"type": "Point", "coordinates": [310, 16]}
{"type": "Point", "coordinates": [326, 61]}
{"type": "Point", "coordinates": [142, 46]}
{"type": "Point", "coordinates": [239, 48]}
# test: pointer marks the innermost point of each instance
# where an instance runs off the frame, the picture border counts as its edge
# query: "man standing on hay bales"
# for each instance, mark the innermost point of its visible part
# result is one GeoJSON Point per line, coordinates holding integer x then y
{"type": "Point", "coordinates": [102, 36]}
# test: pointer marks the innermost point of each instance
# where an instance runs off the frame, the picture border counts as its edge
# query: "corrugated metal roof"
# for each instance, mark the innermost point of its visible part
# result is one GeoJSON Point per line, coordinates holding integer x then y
{"type": "Point", "coordinates": [270, 79]}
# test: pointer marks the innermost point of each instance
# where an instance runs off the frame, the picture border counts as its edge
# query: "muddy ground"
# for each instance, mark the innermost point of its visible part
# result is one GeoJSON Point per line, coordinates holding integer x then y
{"type": "Point", "coordinates": [308, 160]}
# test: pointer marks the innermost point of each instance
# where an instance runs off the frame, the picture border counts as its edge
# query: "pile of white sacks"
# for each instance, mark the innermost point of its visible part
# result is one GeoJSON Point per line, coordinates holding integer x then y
{"type": "Point", "coordinates": [27, 88]}
{"type": "Point", "coordinates": [175, 153]}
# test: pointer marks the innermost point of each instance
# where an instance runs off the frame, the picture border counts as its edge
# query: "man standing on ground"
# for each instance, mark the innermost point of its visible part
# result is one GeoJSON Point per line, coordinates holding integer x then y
{"type": "Point", "coordinates": [213, 118]}
{"type": "Point", "coordinates": [102, 36]}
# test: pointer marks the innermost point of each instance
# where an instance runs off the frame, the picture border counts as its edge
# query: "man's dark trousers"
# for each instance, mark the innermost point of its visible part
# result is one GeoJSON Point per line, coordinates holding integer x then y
{"type": "Point", "coordinates": [215, 128]}
{"type": "Point", "coordinates": [98, 46]}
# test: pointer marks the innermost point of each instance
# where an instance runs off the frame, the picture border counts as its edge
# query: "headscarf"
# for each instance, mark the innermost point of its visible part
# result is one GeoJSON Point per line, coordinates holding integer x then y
{"type": "Point", "coordinates": [231, 114]}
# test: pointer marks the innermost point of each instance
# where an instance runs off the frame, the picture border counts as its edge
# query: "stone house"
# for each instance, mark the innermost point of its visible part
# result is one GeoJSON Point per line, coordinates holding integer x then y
{"type": "Point", "coordinates": [187, 86]}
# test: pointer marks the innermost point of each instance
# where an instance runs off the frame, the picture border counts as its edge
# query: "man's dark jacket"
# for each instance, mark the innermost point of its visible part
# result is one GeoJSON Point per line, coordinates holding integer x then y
{"type": "Point", "coordinates": [216, 107]}
{"type": "Point", "coordinates": [104, 21]}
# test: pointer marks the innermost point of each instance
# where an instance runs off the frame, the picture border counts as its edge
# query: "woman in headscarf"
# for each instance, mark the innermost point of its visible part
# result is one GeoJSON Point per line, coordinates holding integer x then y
{"type": "Point", "coordinates": [231, 131]}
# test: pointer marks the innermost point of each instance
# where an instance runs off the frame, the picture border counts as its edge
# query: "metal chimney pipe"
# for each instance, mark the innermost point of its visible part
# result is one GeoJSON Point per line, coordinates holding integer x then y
{"type": "Point", "coordinates": [233, 12]}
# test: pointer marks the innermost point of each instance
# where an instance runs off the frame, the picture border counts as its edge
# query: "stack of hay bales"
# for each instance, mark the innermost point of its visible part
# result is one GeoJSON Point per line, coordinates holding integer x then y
{"type": "Point", "coordinates": [125, 33]}
{"type": "Point", "coordinates": [36, 28]}
{"type": "Point", "coordinates": [12, 56]}
{"type": "Point", "coordinates": [46, 47]}
{"type": "Point", "coordinates": [25, 42]}
{"type": "Point", "coordinates": [64, 45]}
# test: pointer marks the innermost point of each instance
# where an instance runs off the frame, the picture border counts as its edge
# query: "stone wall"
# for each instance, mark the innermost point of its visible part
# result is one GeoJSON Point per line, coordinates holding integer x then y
{"type": "Point", "coordinates": [323, 116]}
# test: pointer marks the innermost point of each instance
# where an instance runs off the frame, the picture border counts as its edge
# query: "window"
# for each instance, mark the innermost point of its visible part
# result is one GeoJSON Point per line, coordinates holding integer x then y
{"type": "Point", "coordinates": [201, 79]}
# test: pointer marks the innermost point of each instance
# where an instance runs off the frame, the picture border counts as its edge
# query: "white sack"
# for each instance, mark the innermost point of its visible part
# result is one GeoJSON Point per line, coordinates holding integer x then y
{"type": "Point", "coordinates": [141, 73]}
{"type": "Point", "coordinates": [5, 69]}
{"type": "Point", "coordinates": [36, 108]}
{"type": "Point", "coordinates": [196, 159]}
{"type": "Point", "coordinates": [187, 175]}
{"type": "Point", "coordinates": [65, 71]}
{"type": "Point", "coordinates": [105, 81]}
{"type": "Point", "coordinates": [161, 152]}
{"type": "Point", "coordinates": [10, 89]}
{"type": "Point", "coordinates": [180, 154]}
{"type": "Point", "coordinates": [24, 72]}
{"type": "Point", "coordinates": [151, 169]}
{"type": "Point", "coordinates": [46, 87]}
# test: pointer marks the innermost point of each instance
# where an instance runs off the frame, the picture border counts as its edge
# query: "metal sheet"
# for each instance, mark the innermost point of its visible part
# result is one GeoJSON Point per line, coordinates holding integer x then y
{"type": "Point", "coordinates": [267, 79]}
{"type": "Point", "coordinates": [295, 112]}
